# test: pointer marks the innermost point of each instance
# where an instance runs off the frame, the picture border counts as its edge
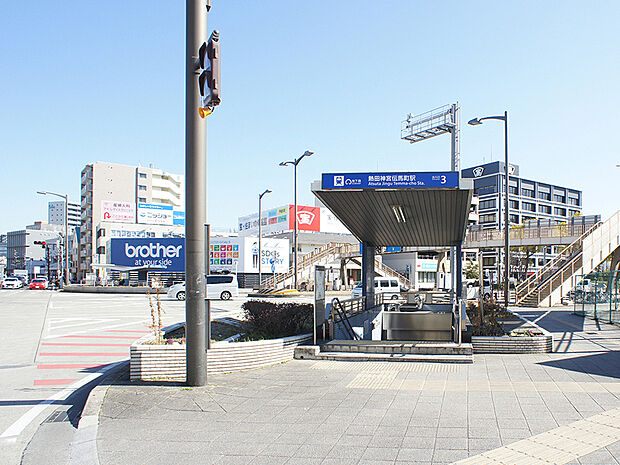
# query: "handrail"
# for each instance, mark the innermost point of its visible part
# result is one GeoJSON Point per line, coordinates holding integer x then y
{"type": "Point", "coordinates": [568, 251]}
{"type": "Point", "coordinates": [549, 270]}
{"type": "Point", "coordinates": [342, 314]}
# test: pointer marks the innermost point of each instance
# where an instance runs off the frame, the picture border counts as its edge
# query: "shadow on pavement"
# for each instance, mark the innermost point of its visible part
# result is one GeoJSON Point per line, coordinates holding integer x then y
{"type": "Point", "coordinates": [602, 364]}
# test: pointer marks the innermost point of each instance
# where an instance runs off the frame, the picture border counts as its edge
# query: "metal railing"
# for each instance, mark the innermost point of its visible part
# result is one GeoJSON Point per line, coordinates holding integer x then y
{"type": "Point", "coordinates": [338, 310]}
{"type": "Point", "coordinates": [575, 227]}
{"type": "Point", "coordinates": [565, 260]}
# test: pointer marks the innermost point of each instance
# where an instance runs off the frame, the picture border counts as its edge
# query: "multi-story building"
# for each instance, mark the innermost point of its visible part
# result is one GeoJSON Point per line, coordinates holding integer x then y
{"type": "Point", "coordinates": [56, 213]}
{"type": "Point", "coordinates": [126, 198]}
{"type": "Point", "coordinates": [528, 200]}
{"type": "Point", "coordinates": [24, 254]}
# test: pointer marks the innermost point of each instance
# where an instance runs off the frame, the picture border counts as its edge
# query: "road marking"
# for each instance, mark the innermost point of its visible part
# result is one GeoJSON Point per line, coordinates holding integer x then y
{"type": "Point", "coordinates": [101, 329]}
{"type": "Point", "coordinates": [18, 426]}
{"type": "Point", "coordinates": [69, 366]}
{"type": "Point", "coordinates": [83, 344]}
{"type": "Point", "coordinates": [86, 321]}
{"type": "Point", "coordinates": [83, 354]}
{"type": "Point", "coordinates": [104, 337]}
{"type": "Point", "coordinates": [123, 331]}
{"type": "Point", "coordinates": [52, 382]}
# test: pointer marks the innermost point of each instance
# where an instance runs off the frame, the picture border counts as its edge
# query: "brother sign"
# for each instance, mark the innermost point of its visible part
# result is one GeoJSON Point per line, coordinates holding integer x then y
{"type": "Point", "coordinates": [165, 254]}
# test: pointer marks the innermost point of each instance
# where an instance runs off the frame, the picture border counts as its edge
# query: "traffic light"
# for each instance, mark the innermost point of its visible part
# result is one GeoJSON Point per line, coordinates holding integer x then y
{"type": "Point", "coordinates": [41, 243]}
{"type": "Point", "coordinates": [209, 81]}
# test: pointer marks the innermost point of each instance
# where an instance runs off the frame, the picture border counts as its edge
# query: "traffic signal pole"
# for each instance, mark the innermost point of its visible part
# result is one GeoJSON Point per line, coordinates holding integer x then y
{"type": "Point", "coordinates": [195, 199]}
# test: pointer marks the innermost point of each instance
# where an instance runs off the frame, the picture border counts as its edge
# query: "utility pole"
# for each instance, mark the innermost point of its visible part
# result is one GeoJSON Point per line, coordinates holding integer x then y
{"type": "Point", "coordinates": [195, 197]}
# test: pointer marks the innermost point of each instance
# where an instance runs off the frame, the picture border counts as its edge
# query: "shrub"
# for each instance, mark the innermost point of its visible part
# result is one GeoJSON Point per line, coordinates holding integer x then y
{"type": "Point", "coordinates": [269, 320]}
{"type": "Point", "coordinates": [491, 326]}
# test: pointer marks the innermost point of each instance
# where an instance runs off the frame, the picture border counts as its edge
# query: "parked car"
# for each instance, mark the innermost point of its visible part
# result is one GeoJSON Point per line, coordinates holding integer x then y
{"type": "Point", "coordinates": [38, 283]}
{"type": "Point", "coordinates": [388, 286]}
{"type": "Point", "coordinates": [12, 282]}
{"type": "Point", "coordinates": [219, 286]}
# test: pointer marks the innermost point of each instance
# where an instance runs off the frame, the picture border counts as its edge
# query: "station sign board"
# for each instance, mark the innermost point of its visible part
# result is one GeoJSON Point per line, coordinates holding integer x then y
{"type": "Point", "coordinates": [391, 180]}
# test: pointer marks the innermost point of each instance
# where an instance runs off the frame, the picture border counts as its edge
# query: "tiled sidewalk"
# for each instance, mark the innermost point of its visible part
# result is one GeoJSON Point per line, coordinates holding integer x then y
{"type": "Point", "coordinates": [379, 412]}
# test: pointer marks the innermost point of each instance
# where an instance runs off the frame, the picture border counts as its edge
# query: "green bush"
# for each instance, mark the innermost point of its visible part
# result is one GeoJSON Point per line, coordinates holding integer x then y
{"type": "Point", "coordinates": [492, 313]}
{"type": "Point", "coordinates": [270, 320]}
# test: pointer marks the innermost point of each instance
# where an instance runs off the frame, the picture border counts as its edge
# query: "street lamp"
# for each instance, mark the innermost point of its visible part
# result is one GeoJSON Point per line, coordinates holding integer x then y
{"type": "Point", "coordinates": [295, 162]}
{"type": "Point", "coordinates": [475, 122]}
{"type": "Point", "coordinates": [260, 252]}
{"type": "Point", "coordinates": [65, 272]}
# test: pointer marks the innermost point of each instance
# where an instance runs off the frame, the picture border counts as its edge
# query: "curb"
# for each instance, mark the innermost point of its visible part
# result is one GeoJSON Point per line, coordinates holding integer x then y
{"type": "Point", "coordinates": [84, 444]}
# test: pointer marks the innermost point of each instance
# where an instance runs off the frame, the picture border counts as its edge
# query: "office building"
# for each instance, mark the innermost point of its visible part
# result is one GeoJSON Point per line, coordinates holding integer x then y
{"type": "Point", "coordinates": [56, 213]}
{"type": "Point", "coordinates": [528, 199]}
{"type": "Point", "coordinates": [126, 201]}
{"type": "Point", "coordinates": [24, 254]}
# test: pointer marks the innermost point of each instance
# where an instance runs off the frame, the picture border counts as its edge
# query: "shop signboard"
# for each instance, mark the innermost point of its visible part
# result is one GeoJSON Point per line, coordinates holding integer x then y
{"type": "Point", "coordinates": [118, 212]}
{"type": "Point", "coordinates": [151, 213]}
{"type": "Point", "coordinates": [240, 254]}
{"type": "Point", "coordinates": [390, 180]}
{"type": "Point", "coordinates": [166, 254]}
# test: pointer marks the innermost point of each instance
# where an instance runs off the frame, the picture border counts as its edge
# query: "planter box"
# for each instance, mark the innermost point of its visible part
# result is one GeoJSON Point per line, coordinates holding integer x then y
{"type": "Point", "coordinates": [512, 344]}
{"type": "Point", "coordinates": [167, 361]}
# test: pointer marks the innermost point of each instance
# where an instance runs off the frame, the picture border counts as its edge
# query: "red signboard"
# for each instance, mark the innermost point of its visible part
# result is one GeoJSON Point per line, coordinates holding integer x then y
{"type": "Point", "coordinates": [308, 218]}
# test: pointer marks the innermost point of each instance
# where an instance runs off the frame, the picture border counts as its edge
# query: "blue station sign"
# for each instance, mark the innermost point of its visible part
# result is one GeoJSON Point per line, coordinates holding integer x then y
{"type": "Point", "coordinates": [393, 180]}
{"type": "Point", "coordinates": [163, 254]}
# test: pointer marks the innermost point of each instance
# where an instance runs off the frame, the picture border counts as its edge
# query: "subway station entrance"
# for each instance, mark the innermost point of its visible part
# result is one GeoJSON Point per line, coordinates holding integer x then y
{"type": "Point", "coordinates": [399, 209]}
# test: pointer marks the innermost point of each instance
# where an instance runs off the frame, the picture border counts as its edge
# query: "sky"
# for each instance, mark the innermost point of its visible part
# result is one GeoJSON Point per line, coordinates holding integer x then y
{"type": "Point", "coordinates": [87, 81]}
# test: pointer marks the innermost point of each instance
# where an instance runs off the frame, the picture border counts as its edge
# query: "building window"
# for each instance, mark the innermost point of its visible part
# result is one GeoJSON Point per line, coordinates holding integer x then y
{"type": "Point", "coordinates": [573, 213]}
{"type": "Point", "coordinates": [514, 204]}
{"type": "Point", "coordinates": [527, 193]}
{"type": "Point", "coordinates": [513, 190]}
{"type": "Point", "coordinates": [488, 261]}
{"type": "Point", "coordinates": [100, 232]}
{"type": "Point", "coordinates": [141, 188]}
{"type": "Point", "coordinates": [559, 211]}
{"type": "Point", "coordinates": [544, 195]}
{"type": "Point", "coordinates": [572, 201]}
{"type": "Point", "coordinates": [101, 250]}
{"type": "Point", "coordinates": [514, 219]}
{"type": "Point", "coordinates": [487, 218]}
{"type": "Point", "coordinates": [545, 209]}
{"type": "Point", "coordinates": [142, 175]}
{"type": "Point", "coordinates": [141, 199]}
{"type": "Point", "coordinates": [486, 190]}
{"type": "Point", "coordinates": [527, 206]}
{"type": "Point", "coordinates": [486, 204]}
{"type": "Point", "coordinates": [426, 276]}
{"type": "Point", "coordinates": [559, 198]}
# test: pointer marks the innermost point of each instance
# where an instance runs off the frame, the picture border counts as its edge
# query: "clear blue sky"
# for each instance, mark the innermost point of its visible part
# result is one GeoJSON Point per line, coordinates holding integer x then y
{"type": "Point", "coordinates": [104, 81]}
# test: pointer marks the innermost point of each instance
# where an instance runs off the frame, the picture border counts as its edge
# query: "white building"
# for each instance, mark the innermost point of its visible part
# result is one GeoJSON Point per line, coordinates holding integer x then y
{"type": "Point", "coordinates": [120, 199]}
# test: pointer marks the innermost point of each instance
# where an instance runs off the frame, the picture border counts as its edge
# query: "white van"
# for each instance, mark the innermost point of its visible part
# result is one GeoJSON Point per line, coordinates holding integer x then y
{"type": "Point", "coordinates": [219, 286]}
{"type": "Point", "coordinates": [388, 286]}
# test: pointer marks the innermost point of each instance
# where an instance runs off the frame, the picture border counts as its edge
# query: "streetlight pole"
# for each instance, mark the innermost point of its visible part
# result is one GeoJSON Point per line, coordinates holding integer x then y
{"type": "Point", "coordinates": [260, 252]}
{"type": "Point", "coordinates": [475, 122]}
{"type": "Point", "coordinates": [65, 271]}
{"type": "Point", "coordinates": [295, 162]}
{"type": "Point", "coordinates": [196, 305]}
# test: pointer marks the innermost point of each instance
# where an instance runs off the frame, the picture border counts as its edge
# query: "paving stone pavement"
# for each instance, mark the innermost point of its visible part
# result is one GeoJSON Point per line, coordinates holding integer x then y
{"type": "Point", "coordinates": [327, 412]}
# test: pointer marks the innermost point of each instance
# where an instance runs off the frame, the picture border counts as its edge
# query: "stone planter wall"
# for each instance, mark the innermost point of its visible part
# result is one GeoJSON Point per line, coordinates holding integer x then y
{"type": "Point", "coordinates": [151, 362]}
{"type": "Point", "coordinates": [512, 345]}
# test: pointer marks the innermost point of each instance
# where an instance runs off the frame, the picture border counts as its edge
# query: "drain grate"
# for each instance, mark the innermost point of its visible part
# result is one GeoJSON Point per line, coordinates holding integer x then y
{"type": "Point", "coordinates": [58, 416]}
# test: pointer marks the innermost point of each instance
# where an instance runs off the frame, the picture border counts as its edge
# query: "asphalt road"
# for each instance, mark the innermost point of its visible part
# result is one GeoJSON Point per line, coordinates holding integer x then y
{"type": "Point", "coordinates": [54, 344]}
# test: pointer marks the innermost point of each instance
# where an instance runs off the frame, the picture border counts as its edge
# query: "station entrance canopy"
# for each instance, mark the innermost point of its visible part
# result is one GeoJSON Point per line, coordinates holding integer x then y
{"type": "Point", "coordinates": [400, 208]}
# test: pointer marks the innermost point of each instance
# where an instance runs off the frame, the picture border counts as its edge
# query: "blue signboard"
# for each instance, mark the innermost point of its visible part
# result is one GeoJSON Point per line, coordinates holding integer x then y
{"type": "Point", "coordinates": [393, 249]}
{"type": "Point", "coordinates": [164, 254]}
{"type": "Point", "coordinates": [402, 180]}
{"type": "Point", "coordinates": [178, 218]}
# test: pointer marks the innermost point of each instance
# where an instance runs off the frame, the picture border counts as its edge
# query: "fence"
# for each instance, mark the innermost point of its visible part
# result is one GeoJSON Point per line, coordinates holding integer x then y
{"type": "Point", "coordinates": [598, 296]}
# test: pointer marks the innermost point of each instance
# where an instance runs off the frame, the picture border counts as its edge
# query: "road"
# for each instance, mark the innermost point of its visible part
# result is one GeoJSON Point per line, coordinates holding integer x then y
{"type": "Point", "coordinates": [54, 343]}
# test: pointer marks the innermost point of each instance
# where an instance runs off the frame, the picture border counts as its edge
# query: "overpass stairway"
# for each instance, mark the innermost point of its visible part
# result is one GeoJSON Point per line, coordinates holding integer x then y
{"type": "Point", "coordinates": [328, 254]}
{"type": "Point", "coordinates": [553, 281]}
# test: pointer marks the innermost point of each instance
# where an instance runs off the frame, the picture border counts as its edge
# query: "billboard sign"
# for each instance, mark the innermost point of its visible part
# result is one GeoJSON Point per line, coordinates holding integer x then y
{"type": "Point", "coordinates": [151, 213]}
{"type": "Point", "coordinates": [308, 218]}
{"type": "Point", "coordinates": [163, 254]}
{"type": "Point", "coordinates": [240, 254]}
{"type": "Point", "coordinates": [392, 180]}
{"type": "Point", "coordinates": [118, 212]}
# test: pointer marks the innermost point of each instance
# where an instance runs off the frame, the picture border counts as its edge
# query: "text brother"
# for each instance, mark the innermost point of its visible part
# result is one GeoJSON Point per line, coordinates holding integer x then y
{"type": "Point", "coordinates": [152, 251]}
